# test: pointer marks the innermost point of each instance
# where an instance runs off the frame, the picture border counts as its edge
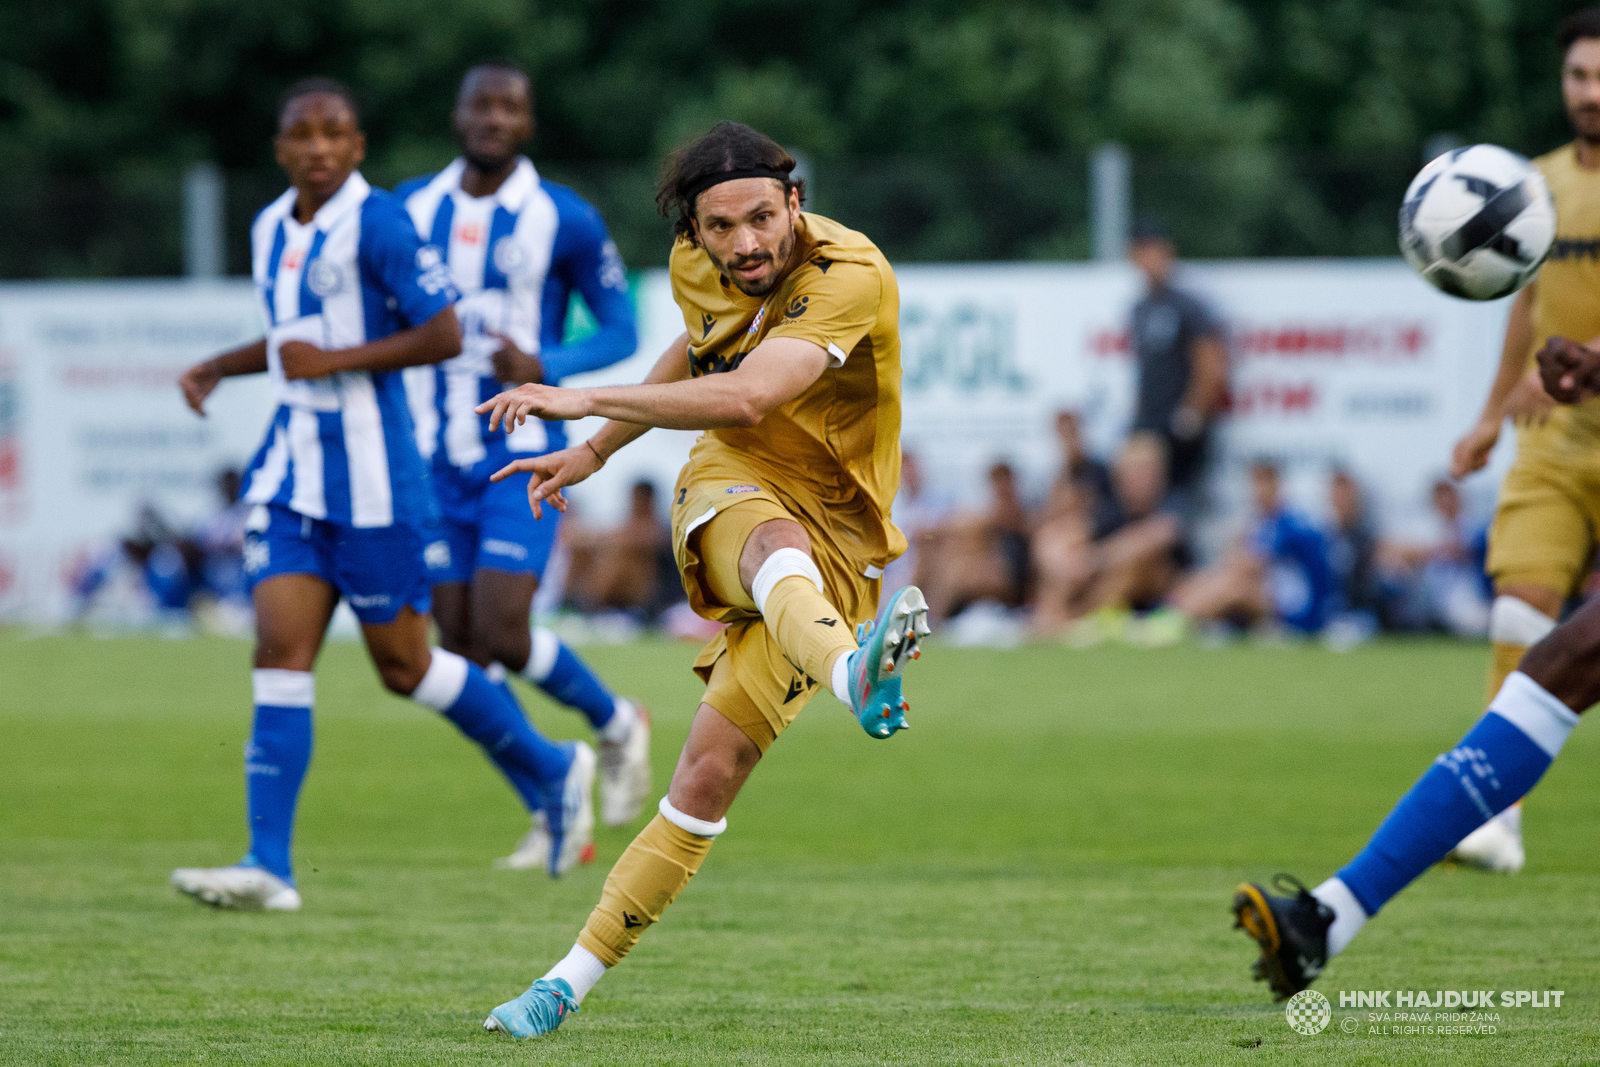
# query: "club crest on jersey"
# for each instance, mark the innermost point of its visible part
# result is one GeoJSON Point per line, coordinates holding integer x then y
{"type": "Point", "coordinates": [509, 256]}
{"type": "Point", "coordinates": [744, 489]}
{"type": "Point", "coordinates": [761, 314]}
{"type": "Point", "coordinates": [323, 278]}
{"type": "Point", "coordinates": [429, 257]}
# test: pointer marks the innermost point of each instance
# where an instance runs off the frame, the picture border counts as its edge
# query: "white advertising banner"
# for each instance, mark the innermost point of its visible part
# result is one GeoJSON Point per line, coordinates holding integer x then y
{"type": "Point", "coordinates": [1351, 363]}
{"type": "Point", "coordinates": [94, 425]}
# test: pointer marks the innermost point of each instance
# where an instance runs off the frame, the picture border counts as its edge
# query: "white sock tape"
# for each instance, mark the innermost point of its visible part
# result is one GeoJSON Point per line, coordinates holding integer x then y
{"type": "Point", "coordinates": [1534, 710]}
{"type": "Point", "coordinates": [542, 659]}
{"type": "Point", "coordinates": [1517, 622]}
{"type": "Point", "coordinates": [278, 688]}
{"type": "Point", "coordinates": [784, 563]}
{"type": "Point", "coordinates": [442, 685]}
{"type": "Point", "coordinates": [698, 827]}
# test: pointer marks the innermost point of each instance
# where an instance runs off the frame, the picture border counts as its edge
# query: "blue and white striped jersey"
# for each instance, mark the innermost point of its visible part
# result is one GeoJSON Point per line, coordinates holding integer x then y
{"type": "Point", "coordinates": [342, 448]}
{"type": "Point", "coordinates": [516, 256]}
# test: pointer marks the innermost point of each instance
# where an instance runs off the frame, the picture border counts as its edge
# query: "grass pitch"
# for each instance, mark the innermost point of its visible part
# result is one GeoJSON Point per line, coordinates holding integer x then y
{"type": "Point", "coordinates": [1039, 872]}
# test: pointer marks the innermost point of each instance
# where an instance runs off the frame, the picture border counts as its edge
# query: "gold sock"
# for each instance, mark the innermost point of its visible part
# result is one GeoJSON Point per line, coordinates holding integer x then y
{"type": "Point", "coordinates": [1502, 661]}
{"type": "Point", "coordinates": [811, 631]}
{"type": "Point", "coordinates": [647, 877]}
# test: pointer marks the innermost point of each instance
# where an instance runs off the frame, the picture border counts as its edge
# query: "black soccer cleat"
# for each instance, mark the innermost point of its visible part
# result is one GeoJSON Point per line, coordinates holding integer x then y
{"type": "Point", "coordinates": [1291, 930]}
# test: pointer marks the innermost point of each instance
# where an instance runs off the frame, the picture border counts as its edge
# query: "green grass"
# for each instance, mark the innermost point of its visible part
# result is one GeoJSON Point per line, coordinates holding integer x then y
{"type": "Point", "coordinates": [1038, 872]}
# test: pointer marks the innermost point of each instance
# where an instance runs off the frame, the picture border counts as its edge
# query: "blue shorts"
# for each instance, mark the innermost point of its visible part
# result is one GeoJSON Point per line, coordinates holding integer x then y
{"type": "Point", "coordinates": [378, 570]}
{"type": "Point", "coordinates": [486, 525]}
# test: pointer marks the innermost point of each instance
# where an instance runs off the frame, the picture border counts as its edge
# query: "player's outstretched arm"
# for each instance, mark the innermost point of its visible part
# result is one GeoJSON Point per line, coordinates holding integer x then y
{"type": "Point", "coordinates": [555, 470]}
{"type": "Point", "coordinates": [199, 380]}
{"type": "Point", "coordinates": [777, 371]}
{"type": "Point", "coordinates": [435, 341]}
{"type": "Point", "coordinates": [1472, 451]}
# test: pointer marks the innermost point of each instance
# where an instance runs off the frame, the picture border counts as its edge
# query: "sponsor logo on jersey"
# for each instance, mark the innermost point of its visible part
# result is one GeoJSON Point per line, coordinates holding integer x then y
{"type": "Point", "coordinates": [797, 307]}
{"type": "Point", "coordinates": [1575, 248]}
{"type": "Point", "coordinates": [436, 557]}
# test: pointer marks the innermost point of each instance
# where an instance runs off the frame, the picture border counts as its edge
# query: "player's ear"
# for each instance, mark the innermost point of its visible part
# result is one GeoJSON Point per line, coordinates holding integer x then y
{"type": "Point", "coordinates": [794, 200]}
{"type": "Point", "coordinates": [360, 148]}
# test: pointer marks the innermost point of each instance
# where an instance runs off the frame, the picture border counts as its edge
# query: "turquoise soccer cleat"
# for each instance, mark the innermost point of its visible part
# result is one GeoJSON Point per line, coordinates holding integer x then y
{"type": "Point", "coordinates": [537, 1012]}
{"type": "Point", "coordinates": [874, 669]}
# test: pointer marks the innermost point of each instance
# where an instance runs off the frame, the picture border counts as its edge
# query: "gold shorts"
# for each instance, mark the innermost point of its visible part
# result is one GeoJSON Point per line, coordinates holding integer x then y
{"type": "Point", "coordinates": [1545, 526]}
{"type": "Point", "coordinates": [749, 680]}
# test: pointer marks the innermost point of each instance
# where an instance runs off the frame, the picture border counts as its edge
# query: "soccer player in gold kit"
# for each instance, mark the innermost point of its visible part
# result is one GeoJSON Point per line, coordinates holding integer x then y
{"type": "Point", "coordinates": [790, 362]}
{"type": "Point", "coordinates": [1545, 531]}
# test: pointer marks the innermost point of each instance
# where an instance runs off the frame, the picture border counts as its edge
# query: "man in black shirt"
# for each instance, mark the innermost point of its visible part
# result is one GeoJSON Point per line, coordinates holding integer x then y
{"type": "Point", "coordinates": [1182, 358]}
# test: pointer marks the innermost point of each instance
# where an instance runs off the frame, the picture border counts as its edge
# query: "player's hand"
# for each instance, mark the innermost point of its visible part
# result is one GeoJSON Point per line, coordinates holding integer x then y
{"type": "Point", "coordinates": [197, 383]}
{"type": "Point", "coordinates": [1528, 404]}
{"type": "Point", "coordinates": [512, 364]}
{"type": "Point", "coordinates": [1568, 370]}
{"type": "Point", "coordinates": [515, 406]}
{"type": "Point", "coordinates": [552, 472]}
{"type": "Point", "coordinates": [302, 359]}
{"type": "Point", "coordinates": [1472, 451]}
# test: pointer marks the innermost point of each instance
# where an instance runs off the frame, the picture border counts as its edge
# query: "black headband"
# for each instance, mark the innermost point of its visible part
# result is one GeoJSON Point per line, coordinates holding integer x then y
{"type": "Point", "coordinates": [721, 176]}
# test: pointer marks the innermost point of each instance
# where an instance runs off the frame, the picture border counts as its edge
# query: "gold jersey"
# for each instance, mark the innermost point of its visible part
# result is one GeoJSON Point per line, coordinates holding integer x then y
{"type": "Point", "coordinates": [836, 445]}
{"type": "Point", "coordinates": [1566, 303]}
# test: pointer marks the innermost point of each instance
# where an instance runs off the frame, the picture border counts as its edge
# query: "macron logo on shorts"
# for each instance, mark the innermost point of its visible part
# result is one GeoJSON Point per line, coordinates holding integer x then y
{"type": "Point", "coordinates": [257, 554]}
{"type": "Point", "coordinates": [377, 600]}
{"type": "Point", "coordinates": [436, 557]}
{"type": "Point", "coordinates": [493, 546]}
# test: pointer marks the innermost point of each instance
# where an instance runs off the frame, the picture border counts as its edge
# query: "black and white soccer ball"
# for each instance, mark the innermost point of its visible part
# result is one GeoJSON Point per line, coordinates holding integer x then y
{"type": "Point", "coordinates": [1477, 222]}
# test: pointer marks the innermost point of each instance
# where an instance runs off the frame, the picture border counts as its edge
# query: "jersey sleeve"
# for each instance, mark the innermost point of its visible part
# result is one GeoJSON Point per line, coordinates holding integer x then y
{"type": "Point", "coordinates": [833, 308]}
{"type": "Point", "coordinates": [589, 261]}
{"type": "Point", "coordinates": [414, 274]}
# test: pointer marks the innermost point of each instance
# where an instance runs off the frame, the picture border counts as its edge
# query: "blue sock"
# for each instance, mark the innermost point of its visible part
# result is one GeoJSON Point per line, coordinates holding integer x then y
{"type": "Point", "coordinates": [1492, 768]}
{"type": "Point", "coordinates": [275, 761]}
{"type": "Point", "coordinates": [483, 711]}
{"type": "Point", "coordinates": [525, 784]}
{"type": "Point", "coordinates": [565, 678]}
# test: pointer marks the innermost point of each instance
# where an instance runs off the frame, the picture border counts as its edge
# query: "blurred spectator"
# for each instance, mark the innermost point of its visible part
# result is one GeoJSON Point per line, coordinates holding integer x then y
{"type": "Point", "coordinates": [1127, 559]}
{"type": "Point", "coordinates": [1353, 548]}
{"type": "Point", "coordinates": [220, 541]}
{"type": "Point", "coordinates": [629, 568]}
{"type": "Point", "coordinates": [918, 511]}
{"type": "Point", "coordinates": [1182, 358]}
{"type": "Point", "coordinates": [1280, 573]}
{"type": "Point", "coordinates": [1079, 468]}
{"type": "Point", "coordinates": [1441, 583]}
{"type": "Point", "coordinates": [978, 556]}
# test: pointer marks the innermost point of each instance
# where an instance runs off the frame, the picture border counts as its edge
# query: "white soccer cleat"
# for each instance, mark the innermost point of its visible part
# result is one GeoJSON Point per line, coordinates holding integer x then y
{"type": "Point", "coordinates": [570, 818]}
{"type": "Point", "coordinates": [1495, 846]}
{"type": "Point", "coordinates": [533, 851]}
{"type": "Point", "coordinates": [625, 772]}
{"type": "Point", "coordinates": [236, 887]}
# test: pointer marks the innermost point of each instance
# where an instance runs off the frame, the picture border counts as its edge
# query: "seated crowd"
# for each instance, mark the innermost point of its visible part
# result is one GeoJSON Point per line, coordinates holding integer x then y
{"type": "Point", "coordinates": [1109, 554]}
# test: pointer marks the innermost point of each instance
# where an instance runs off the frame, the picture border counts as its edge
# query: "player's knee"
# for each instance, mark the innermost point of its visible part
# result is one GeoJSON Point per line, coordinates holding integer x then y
{"type": "Point", "coordinates": [1566, 663]}
{"type": "Point", "coordinates": [771, 536]}
{"type": "Point", "coordinates": [507, 644]}
{"type": "Point", "coordinates": [401, 673]}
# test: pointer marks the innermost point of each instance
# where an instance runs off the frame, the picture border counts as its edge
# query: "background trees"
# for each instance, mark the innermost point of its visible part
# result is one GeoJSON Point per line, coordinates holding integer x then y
{"type": "Point", "coordinates": [1284, 117]}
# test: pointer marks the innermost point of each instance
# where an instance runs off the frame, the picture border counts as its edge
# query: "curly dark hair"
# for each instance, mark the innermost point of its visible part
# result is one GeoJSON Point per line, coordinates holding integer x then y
{"type": "Point", "coordinates": [1578, 26]}
{"type": "Point", "coordinates": [727, 146]}
{"type": "Point", "coordinates": [310, 86]}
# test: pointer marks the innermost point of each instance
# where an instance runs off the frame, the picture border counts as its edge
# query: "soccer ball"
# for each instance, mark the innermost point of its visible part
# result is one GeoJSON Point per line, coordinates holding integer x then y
{"type": "Point", "coordinates": [1477, 222]}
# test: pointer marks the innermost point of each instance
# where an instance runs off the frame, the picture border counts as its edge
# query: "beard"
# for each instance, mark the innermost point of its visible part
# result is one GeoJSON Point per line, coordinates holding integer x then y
{"type": "Point", "coordinates": [764, 285]}
{"type": "Point", "coordinates": [485, 164]}
{"type": "Point", "coordinates": [1585, 119]}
